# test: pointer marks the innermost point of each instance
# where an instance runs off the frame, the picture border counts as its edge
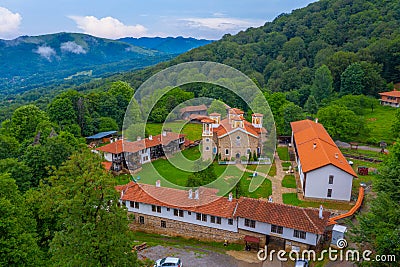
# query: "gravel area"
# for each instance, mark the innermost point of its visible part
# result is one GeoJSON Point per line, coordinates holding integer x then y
{"type": "Point", "coordinates": [194, 257]}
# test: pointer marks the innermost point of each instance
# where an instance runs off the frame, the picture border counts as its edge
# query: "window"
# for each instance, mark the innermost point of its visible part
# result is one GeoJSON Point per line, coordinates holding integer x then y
{"type": "Point", "coordinates": [248, 151]}
{"type": "Point", "coordinates": [204, 217]}
{"type": "Point", "coordinates": [136, 205]}
{"type": "Point", "coordinates": [207, 139]}
{"type": "Point", "coordinates": [218, 220]}
{"type": "Point", "coordinates": [141, 219]}
{"type": "Point", "coordinates": [159, 209]}
{"type": "Point", "coordinates": [215, 150]}
{"type": "Point", "coordinates": [226, 151]}
{"type": "Point", "coordinates": [133, 204]}
{"type": "Point", "coordinates": [276, 229]}
{"type": "Point", "coordinates": [168, 209]}
{"type": "Point", "coordinates": [180, 213]}
{"type": "Point", "coordinates": [189, 213]}
{"type": "Point", "coordinates": [175, 212]}
{"type": "Point", "coordinates": [198, 216]}
{"type": "Point", "coordinates": [207, 148]}
{"type": "Point", "coordinates": [153, 208]}
{"type": "Point", "coordinates": [124, 203]}
{"type": "Point", "coordinates": [230, 221]}
{"type": "Point", "coordinates": [330, 179]}
{"type": "Point", "coordinates": [250, 223]}
{"type": "Point", "coordinates": [238, 137]}
{"type": "Point", "coordinates": [299, 234]}
{"type": "Point", "coordinates": [163, 224]}
{"type": "Point", "coordinates": [329, 194]}
{"type": "Point", "coordinates": [212, 219]}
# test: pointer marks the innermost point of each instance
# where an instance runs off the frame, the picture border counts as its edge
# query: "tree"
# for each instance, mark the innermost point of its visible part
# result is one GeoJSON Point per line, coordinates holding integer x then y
{"type": "Point", "coordinates": [106, 124]}
{"type": "Point", "coordinates": [396, 124]}
{"type": "Point", "coordinates": [90, 227]}
{"type": "Point", "coordinates": [291, 112]}
{"type": "Point", "coordinates": [217, 106]}
{"type": "Point", "coordinates": [18, 245]}
{"type": "Point", "coordinates": [61, 111]}
{"type": "Point", "coordinates": [322, 85]}
{"type": "Point", "coordinates": [19, 171]}
{"type": "Point", "coordinates": [201, 176]}
{"type": "Point", "coordinates": [8, 146]}
{"type": "Point", "coordinates": [378, 229]}
{"type": "Point", "coordinates": [238, 189]}
{"type": "Point", "coordinates": [24, 121]}
{"type": "Point", "coordinates": [352, 80]}
{"type": "Point", "coordinates": [311, 105]}
{"type": "Point", "coordinates": [340, 122]}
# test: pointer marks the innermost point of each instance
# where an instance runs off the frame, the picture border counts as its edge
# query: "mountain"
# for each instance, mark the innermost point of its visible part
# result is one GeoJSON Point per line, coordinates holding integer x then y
{"type": "Point", "coordinates": [283, 55]}
{"type": "Point", "coordinates": [170, 45]}
{"type": "Point", "coordinates": [36, 61]}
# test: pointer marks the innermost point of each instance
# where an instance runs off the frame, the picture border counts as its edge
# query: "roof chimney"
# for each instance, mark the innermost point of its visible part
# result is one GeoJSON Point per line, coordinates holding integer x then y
{"type": "Point", "coordinates": [337, 155]}
{"type": "Point", "coordinates": [321, 209]}
{"type": "Point", "coordinates": [314, 145]}
{"type": "Point", "coordinates": [190, 194]}
{"type": "Point", "coordinates": [270, 199]}
{"type": "Point", "coordinates": [158, 183]}
{"type": "Point", "coordinates": [316, 120]}
{"type": "Point", "coordinates": [230, 197]}
{"type": "Point", "coordinates": [164, 133]}
{"type": "Point", "coordinates": [138, 138]}
{"type": "Point", "coordinates": [150, 137]}
{"type": "Point", "coordinates": [196, 194]}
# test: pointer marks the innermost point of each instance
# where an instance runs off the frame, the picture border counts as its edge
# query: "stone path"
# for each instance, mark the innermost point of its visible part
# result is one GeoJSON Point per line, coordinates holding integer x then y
{"type": "Point", "coordinates": [277, 188]}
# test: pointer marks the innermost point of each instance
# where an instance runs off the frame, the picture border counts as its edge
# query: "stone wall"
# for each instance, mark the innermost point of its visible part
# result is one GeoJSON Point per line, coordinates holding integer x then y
{"type": "Point", "coordinates": [152, 224]}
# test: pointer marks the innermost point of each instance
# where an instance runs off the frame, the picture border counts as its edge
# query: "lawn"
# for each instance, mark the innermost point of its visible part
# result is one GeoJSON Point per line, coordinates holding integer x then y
{"type": "Point", "coordinates": [289, 181]}
{"type": "Point", "coordinates": [291, 199]}
{"type": "Point", "coordinates": [272, 171]}
{"type": "Point", "coordinates": [367, 179]}
{"type": "Point", "coordinates": [283, 153]}
{"type": "Point", "coordinates": [379, 124]}
{"type": "Point", "coordinates": [192, 130]}
{"type": "Point", "coordinates": [365, 153]}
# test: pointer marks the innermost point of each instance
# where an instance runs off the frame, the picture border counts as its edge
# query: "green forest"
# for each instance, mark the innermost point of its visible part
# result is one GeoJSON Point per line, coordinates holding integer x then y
{"type": "Point", "coordinates": [328, 60]}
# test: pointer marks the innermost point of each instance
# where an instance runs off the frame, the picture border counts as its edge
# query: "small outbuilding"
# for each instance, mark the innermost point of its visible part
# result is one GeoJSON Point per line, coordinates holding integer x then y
{"type": "Point", "coordinates": [338, 232]}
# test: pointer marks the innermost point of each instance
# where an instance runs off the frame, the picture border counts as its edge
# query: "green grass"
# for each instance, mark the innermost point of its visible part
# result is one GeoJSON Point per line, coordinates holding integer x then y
{"type": "Point", "coordinates": [291, 199]}
{"type": "Point", "coordinates": [368, 179]}
{"type": "Point", "coordinates": [365, 153]}
{"type": "Point", "coordinates": [379, 123]}
{"type": "Point", "coordinates": [286, 164]}
{"type": "Point", "coordinates": [272, 171]}
{"type": "Point", "coordinates": [155, 239]}
{"type": "Point", "coordinates": [192, 130]}
{"type": "Point", "coordinates": [122, 179]}
{"type": "Point", "coordinates": [289, 181]}
{"type": "Point", "coordinates": [283, 153]}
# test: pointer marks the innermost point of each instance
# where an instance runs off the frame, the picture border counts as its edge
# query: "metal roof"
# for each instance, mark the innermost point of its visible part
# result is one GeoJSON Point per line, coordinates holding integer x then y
{"type": "Point", "coordinates": [101, 135]}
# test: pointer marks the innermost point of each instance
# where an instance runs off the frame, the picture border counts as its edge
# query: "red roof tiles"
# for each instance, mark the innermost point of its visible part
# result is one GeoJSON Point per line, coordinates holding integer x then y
{"type": "Point", "coordinates": [193, 108]}
{"type": "Point", "coordinates": [208, 202]}
{"type": "Point", "coordinates": [316, 148]}
{"type": "Point", "coordinates": [304, 219]}
{"type": "Point", "coordinates": [393, 93]}
{"type": "Point", "coordinates": [226, 127]}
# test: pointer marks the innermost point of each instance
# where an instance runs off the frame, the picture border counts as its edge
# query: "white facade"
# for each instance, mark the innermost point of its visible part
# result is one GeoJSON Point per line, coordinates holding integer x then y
{"type": "Point", "coordinates": [168, 213]}
{"type": "Point", "coordinates": [144, 155]}
{"type": "Point", "coordinates": [287, 234]}
{"type": "Point", "coordinates": [317, 183]}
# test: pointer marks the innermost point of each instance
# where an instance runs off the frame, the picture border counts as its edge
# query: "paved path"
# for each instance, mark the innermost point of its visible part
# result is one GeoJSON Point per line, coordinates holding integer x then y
{"type": "Point", "coordinates": [369, 148]}
{"type": "Point", "coordinates": [277, 188]}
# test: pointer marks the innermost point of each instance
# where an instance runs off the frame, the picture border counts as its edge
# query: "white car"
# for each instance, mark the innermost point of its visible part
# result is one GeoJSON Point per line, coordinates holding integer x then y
{"type": "Point", "coordinates": [168, 261]}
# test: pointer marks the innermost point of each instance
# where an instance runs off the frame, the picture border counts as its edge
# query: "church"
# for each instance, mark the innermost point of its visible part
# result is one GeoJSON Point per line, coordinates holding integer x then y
{"type": "Point", "coordinates": [233, 137]}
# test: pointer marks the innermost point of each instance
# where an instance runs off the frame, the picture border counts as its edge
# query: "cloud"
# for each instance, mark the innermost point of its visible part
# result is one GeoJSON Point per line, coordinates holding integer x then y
{"type": "Point", "coordinates": [108, 27]}
{"type": "Point", "coordinates": [72, 47]}
{"type": "Point", "coordinates": [221, 24]}
{"type": "Point", "coordinates": [45, 51]}
{"type": "Point", "coordinates": [9, 22]}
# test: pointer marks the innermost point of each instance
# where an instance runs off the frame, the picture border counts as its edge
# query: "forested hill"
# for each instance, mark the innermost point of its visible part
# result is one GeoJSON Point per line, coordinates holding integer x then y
{"type": "Point", "coordinates": [283, 54]}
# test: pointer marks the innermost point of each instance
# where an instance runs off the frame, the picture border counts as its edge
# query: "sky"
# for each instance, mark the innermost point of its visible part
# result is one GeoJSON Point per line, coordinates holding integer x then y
{"type": "Point", "coordinates": [208, 19]}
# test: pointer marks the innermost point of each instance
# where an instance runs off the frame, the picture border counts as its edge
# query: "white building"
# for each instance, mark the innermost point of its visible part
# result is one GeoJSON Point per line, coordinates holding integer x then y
{"type": "Point", "coordinates": [324, 171]}
{"type": "Point", "coordinates": [204, 215]}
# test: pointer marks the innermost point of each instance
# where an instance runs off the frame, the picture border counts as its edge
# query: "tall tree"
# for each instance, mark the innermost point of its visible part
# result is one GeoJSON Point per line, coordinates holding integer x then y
{"type": "Point", "coordinates": [91, 228]}
{"type": "Point", "coordinates": [311, 105]}
{"type": "Point", "coordinates": [18, 245]}
{"type": "Point", "coordinates": [396, 124]}
{"type": "Point", "coordinates": [322, 85]}
{"type": "Point", "coordinates": [352, 80]}
{"type": "Point", "coordinates": [217, 106]}
{"type": "Point", "coordinates": [61, 111]}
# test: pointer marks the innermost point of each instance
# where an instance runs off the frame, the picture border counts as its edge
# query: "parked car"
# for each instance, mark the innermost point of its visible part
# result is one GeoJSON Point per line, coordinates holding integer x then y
{"type": "Point", "coordinates": [301, 263]}
{"type": "Point", "coordinates": [168, 261]}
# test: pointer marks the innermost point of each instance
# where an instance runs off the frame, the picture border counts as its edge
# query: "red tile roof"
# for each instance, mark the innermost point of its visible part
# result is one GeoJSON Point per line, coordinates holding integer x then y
{"type": "Point", "coordinates": [193, 108]}
{"type": "Point", "coordinates": [316, 148]}
{"type": "Point", "coordinates": [304, 219]}
{"type": "Point", "coordinates": [132, 147]}
{"type": "Point", "coordinates": [208, 202]}
{"type": "Point", "coordinates": [107, 165]}
{"type": "Point", "coordinates": [235, 111]}
{"type": "Point", "coordinates": [215, 114]}
{"type": "Point", "coordinates": [226, 127]}
{"type": "Point", "coordinates": [393, 93]}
